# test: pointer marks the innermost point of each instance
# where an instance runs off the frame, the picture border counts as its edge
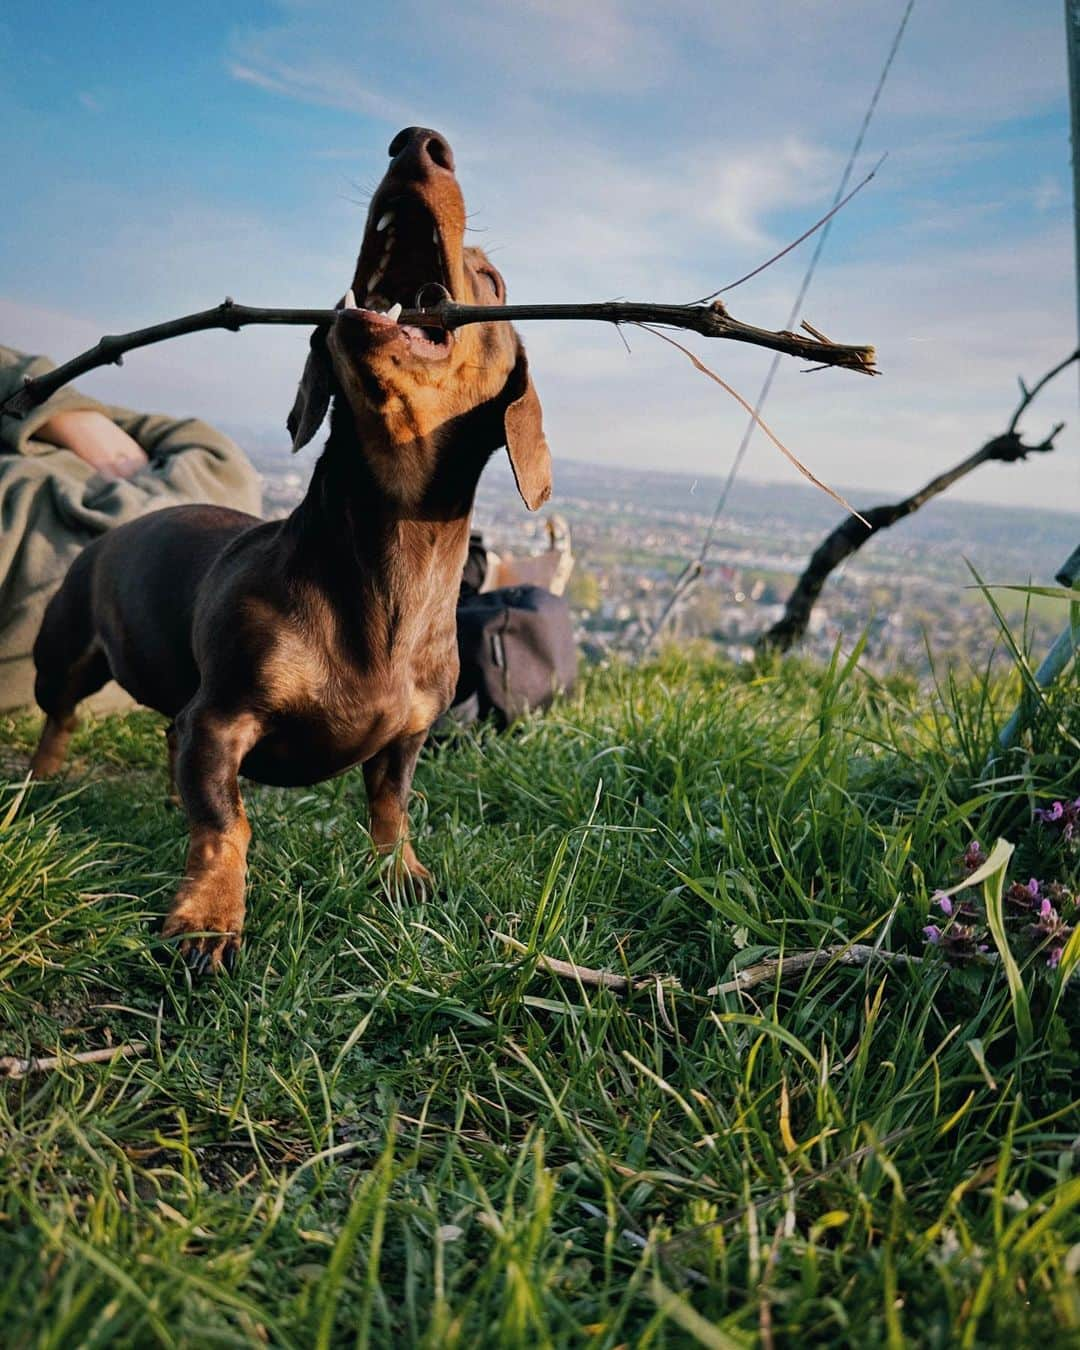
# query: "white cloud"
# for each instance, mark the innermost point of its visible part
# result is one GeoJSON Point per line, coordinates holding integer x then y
{"type": "Point", "coordinates": [325, 82]}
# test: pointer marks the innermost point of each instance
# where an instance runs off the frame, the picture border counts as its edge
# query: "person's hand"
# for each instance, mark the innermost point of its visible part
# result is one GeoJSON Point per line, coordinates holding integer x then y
{"type": "Point", "coordinates": [97, 440]}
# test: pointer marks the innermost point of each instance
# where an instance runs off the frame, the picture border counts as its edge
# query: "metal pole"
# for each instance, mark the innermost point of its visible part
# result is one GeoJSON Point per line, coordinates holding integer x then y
{"type": "Point", "coordinates": [1067, 645]}
{"type": "Point", "coordinates": [1072, 47]}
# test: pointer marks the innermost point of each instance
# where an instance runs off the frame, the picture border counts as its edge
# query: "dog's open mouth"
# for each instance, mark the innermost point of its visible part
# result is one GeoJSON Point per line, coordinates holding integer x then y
{"type": "Point", "coordinates": [403, 266]}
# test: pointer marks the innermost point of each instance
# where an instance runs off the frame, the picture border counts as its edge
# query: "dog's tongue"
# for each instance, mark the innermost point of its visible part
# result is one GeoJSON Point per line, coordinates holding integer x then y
{"type": "Point", "coordinates": [423, 343]}
{"type": "Point", "coordinates": [427, 343]}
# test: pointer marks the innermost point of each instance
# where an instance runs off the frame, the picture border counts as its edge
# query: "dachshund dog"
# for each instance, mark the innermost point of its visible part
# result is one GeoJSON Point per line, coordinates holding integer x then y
{"type": "Point", "coordinates": [288, 651]}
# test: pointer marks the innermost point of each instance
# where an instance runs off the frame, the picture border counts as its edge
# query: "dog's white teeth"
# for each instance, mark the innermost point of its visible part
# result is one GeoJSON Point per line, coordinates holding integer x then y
{"type": "Point", "coordinates": [383, 221]}
{"type": "Point", "coordinates": [350, 299]}
{"type": "Point", "coordinates": [394, 312]}
{"type": "Point", "coordinates": [435, 235]}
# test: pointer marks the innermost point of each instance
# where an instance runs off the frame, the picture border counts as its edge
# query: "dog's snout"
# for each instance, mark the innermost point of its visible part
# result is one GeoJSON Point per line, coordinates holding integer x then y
{"type": "Point", "coordinates": [420, 149]}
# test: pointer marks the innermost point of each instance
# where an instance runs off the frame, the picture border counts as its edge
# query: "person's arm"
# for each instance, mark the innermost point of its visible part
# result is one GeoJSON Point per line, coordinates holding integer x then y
{"type": "Point", "coordinates": [68, 419]}
{"type": "Point", "coordinates": [97, 440]}
{"type": "Point", "coordinates": [178, 459]}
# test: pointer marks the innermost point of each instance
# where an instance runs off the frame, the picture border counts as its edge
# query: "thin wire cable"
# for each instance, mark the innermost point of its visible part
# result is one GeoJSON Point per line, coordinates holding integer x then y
{"type": "Point", "coordinates": [695, 567]}
{"type": "Point", "coordinates": [774, 364]}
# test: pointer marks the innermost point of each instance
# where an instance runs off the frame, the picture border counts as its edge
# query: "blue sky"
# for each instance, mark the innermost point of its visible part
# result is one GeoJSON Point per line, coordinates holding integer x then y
{"type": "Point", "coordinates": [159, 157]}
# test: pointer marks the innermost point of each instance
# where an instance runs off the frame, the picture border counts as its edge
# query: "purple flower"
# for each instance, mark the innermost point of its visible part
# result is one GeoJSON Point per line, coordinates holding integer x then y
{"type": "Point", "coordinates": [1042, 912]}
{"type": "Point", "coordinates": [1053, 929]}
{"type": "Point", "coordinates": [973, 856]}
{"type": "Point", "coordinates": [957, 941]}
{"type": "Point", "coordinates": [1063, 816]}
{"type": "Point", "coordinates": [1024, 896]}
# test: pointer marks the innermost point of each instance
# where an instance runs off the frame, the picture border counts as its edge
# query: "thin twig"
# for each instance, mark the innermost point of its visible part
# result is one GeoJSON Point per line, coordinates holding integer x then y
{"type": "Point", "coordinates": [796, 310]}
{"type": "Point", "coordinates": [700, 365]}
{"type": "Point", "coordinates": [839, 206]}
{"type": "Point", "coordinates": [11, 1066]}
{"type": "Point", "coordinates": [1029, 394]}
{"type": "Point", "coordinates": [709, 320]}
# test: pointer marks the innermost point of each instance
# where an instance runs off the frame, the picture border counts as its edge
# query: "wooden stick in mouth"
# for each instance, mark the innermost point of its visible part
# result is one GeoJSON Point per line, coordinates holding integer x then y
{"type": "Point", "coordinates": [710, 320]}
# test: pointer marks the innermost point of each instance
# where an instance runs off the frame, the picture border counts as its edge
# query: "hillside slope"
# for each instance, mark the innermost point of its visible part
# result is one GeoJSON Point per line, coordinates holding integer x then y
{"type": "Point", "coordinates": [391, 1125]}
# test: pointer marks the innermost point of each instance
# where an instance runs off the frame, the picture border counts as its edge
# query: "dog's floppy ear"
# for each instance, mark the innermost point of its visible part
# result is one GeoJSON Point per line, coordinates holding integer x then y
{"type": "Point", "coordinates": [523, 423]}
{"type": "Point", "coordinates": [313, 393]}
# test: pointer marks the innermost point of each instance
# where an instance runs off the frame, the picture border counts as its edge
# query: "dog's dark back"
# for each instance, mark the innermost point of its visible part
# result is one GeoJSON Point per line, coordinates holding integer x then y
{"type": "Point", "coordinates": [129, 598]}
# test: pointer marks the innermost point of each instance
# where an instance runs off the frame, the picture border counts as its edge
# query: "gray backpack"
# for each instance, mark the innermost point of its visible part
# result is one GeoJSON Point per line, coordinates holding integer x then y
{"type": "Point", "coordinates": [517, 652]}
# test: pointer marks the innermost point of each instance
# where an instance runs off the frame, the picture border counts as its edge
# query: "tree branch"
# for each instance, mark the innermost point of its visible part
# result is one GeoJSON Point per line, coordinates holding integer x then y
{"type": "Point", "coordinates": [852, 533]}
{"type": "Point", "coordinates": [709, 320]}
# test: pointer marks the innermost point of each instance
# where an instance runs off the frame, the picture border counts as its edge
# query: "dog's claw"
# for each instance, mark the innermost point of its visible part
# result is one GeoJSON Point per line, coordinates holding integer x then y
{"type": "Point", "coordinates": [208, 955]}
{"type": "Point", "coordinates": [195, 959]}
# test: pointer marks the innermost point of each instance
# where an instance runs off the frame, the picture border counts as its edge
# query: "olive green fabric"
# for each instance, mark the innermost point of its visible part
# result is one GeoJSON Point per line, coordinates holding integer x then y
{"type": "Point", "coordinates": [52, 503]}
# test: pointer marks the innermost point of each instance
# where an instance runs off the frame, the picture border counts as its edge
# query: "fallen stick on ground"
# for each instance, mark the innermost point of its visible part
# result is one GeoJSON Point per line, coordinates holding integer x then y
{"type": "Point", "coordinates": [568, 970]}
{"type": "Point", "coordinates": [709, 320]}
{"type": "Point", "coordinates": [11, 1066]}
{"type": "Point", "coordinates": [852, 954]}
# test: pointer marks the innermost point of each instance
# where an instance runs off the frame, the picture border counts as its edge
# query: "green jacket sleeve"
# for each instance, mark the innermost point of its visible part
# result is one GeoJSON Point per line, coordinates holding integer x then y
{"type": "Point", "coordinates": [17, 433]}
{"type": "Point", "coordinates": [52, 503]}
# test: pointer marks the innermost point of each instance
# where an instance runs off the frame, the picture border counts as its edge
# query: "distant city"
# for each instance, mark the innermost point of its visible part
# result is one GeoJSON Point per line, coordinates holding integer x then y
{"type": "Point", "coordinates": [911, 589]}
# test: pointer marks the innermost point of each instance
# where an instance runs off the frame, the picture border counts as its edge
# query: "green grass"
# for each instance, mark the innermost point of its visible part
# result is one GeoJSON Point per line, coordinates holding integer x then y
{"type": "Point", "coordinates": [388, 1128]}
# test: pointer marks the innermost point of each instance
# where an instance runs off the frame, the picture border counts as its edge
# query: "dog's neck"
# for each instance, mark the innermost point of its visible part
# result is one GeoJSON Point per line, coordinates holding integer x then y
{"type": "Point", "coordinates": [388, 539]}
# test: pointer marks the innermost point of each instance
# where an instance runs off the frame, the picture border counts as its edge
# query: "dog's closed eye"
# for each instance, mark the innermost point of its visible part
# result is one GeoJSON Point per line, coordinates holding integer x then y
{"type": "Point", "coordinates": [494, 281]}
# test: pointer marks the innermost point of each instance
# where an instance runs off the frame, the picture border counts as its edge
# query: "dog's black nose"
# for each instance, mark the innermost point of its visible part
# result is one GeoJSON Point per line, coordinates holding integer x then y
{"type": "Point", "coordinates": [421, 148]}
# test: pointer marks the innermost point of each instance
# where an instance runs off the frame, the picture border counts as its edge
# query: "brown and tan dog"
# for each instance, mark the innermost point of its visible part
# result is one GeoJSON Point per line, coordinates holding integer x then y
{"type": "Point", "coordinates": [289, 651]}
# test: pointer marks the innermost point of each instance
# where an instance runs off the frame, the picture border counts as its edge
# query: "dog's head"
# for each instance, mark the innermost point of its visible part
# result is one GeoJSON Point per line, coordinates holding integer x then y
{"type": "Point", "coordinates": [403, 384]}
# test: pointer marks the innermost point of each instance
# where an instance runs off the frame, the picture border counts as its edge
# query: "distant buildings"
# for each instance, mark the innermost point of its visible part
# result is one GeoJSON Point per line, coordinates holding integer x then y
{"type": "Point", "coordinates": [631, 541]}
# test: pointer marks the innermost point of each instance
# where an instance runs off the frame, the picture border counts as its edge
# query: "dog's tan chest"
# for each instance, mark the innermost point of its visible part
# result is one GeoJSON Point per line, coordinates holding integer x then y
{"type": "Point", "coordinates": [309, 743]}
{"type": "Point", "coordinates": [326, 712]}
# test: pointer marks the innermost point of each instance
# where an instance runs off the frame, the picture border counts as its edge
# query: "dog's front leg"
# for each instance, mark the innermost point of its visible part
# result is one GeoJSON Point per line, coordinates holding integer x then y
{"type": "Point", "coordinates": [210, 901]}
{"type": "Point", "coordinates": [388, 777]}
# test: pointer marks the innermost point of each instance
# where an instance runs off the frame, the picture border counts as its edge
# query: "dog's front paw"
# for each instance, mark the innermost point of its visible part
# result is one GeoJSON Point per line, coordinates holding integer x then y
{"type": "Point", "coordinates": [208, 925]}
{"type": "Point", "coordinates": [404, 872]}
{"type": "Point", "coordinates": [418, 874]}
